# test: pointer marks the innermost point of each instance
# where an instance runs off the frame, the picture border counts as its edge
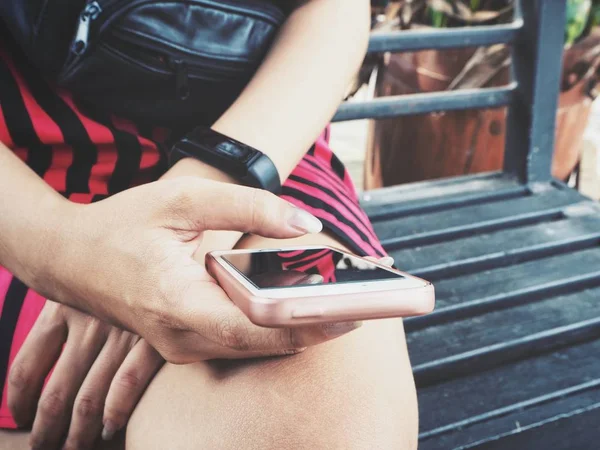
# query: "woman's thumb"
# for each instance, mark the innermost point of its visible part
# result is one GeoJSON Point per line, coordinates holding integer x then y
{"type": "Point", "coordinates": [210, 205]}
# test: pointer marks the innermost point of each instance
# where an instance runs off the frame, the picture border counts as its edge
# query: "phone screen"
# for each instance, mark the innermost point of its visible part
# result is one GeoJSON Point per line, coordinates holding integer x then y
{"type": "Point", "coordinates": [293, 268]}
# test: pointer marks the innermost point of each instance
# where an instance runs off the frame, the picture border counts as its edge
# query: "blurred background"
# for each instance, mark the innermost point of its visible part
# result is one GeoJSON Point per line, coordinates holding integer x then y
{"type": "Point", "coordinates": [429, 146]}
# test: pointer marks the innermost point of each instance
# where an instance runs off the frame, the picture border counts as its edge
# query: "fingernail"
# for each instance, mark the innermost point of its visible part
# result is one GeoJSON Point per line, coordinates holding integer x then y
{"type": "Point", "coordinates": [293, 351]}
{"type": "Point", "coordinates": [340, 328]}
{"type": "Point", "coordinates": [109, 430]}
{"type": "Point", "coordinates": [304, 221]}
{"type": "Point", "coordinates": [313, 279]}
{"type": "Point", "coordinates": [387, 261]}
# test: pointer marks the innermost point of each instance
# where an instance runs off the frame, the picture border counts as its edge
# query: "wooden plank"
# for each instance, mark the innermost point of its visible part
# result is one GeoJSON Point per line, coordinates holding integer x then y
{"type": "Point", "coordinates": [536, 378]}
{"type": "Point", "coordinates": [577, 393]}
{"type": "Point", "coordinates": [410, 104]}
{"type": "Point", "coordinates": [442, 203]}
{"type": "Point", "coordinates": [452, 196]}
{"type": "Point", "coordinates": [476, 293]}
{"type": "Point", "coordinates": [539, 418]}
{"type": "Point", "coordinates": [428, 190]}
{"type": "Point", "coordinates": [459, 222]}
{"type": "Point", "coordinates": [473, 286]}
{"type": "Point", "coordinates": [485, 358]}
{"type": "Point", "coordinates": [495, 248]}
{"type": "Point", "coordinates": [474, 333]}
{"type": "Point", "coordinates": [435, 38]}
{"type": "Point", "coordinates": [577, 430]}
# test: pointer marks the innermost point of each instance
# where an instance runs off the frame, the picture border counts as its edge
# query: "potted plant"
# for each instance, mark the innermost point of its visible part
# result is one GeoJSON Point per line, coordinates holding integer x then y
{"type": "Point", "coordinates": [419, 147]}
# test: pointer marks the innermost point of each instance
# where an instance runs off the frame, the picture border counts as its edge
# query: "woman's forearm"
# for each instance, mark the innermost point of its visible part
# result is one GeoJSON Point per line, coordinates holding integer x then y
{"type": "Point", "coordinates": [302, 80]}
{"type": "Point", "coordinates": [294, 93]}
{"type": "Point", "coordinates": [32, 217]}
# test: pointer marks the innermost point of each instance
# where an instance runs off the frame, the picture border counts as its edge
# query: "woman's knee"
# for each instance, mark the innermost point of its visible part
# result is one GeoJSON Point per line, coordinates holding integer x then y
{"type": "Point", "coordinates": [353, 393]}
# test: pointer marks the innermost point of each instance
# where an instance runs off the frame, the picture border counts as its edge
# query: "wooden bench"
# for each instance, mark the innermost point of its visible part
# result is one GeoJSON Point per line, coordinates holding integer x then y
{"type": "Point", "coordinates": [511, 356]}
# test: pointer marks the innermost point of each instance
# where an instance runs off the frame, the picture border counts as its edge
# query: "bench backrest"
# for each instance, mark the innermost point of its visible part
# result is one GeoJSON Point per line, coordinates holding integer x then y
{"type": "Point", "coordinates": [536, 36]}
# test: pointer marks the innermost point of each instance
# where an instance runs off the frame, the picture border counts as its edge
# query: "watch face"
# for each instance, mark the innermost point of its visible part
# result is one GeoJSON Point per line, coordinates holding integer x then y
{"type": "Point", "coordinates": [233, 150]}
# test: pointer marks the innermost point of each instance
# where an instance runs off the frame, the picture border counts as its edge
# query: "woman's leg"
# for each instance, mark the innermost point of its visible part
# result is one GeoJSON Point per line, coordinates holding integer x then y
{"type": "Point", "coordinates": [356, 392]}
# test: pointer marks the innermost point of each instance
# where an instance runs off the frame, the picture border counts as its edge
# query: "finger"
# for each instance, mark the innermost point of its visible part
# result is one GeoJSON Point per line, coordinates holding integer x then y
{"type": "Point", "coordinates": [236, 208]}
{"type": "Point", "coordinates": [86, 420]}
{"type": "Point", "coordinates": [226, 327]}
{"type": "Point", "coordinates": [255, 355]}
{"type": "Point", "coordinates": [278, 342]}
{"type": "Point", "coordinates": [56, 402]}
{"type": "Point", "coordinates": [128, 385]}
{"type": "Point", "coordinates": [34, 361]}
{"type": "Point", "coordinates": [386, 260]}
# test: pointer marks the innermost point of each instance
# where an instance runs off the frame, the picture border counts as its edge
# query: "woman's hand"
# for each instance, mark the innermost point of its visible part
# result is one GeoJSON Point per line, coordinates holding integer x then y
{"type": "Point", "coordinates": [99, 377]}
{"type": "Point", "coordinates": [100, 373]}
{"type": "Point", "coordinates": [129, 260]}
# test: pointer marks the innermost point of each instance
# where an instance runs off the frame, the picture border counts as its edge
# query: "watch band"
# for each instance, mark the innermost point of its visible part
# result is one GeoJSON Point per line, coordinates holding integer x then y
{"type": "Point", "coordinates": [247, 164]}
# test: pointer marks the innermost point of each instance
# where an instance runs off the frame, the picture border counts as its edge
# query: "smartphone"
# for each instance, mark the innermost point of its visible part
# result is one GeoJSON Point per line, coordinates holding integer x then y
{"type": "Point", "coordinates": [308, 285]}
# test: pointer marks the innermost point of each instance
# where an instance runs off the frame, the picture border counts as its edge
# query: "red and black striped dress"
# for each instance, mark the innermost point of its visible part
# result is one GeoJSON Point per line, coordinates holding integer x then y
{"type": "Point", "coordinates": [88, 159]}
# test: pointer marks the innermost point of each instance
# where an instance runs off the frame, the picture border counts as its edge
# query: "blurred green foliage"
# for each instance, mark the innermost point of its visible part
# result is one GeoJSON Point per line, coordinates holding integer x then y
{"type": "Point", "coordinates": [578, 15]}
{"type": "Point", "coordinates": [595, 14]}
{"type": "Point", "coordinates": [582, 15]}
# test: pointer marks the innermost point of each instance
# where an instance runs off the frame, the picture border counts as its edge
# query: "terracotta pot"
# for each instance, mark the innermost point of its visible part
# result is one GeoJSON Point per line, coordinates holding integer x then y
{"type": "Point", "coordinates": [421, 147]}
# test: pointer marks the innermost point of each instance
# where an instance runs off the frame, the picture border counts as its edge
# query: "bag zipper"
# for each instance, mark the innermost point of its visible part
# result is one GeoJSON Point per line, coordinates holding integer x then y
{"type": "Point", "coordinates": [94, 8]}
{"type": "Point", "coordinates": [91, 12]}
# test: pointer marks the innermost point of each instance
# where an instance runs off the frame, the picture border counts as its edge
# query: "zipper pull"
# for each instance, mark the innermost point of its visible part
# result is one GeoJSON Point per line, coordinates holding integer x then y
{"type": "Point", "coordinates": [90, 12]}
{"type": "Point", "coordinates": [182, 86]}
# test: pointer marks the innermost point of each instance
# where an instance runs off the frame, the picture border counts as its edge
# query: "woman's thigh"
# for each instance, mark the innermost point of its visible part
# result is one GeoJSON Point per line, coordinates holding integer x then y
{"type": "Point", "coordinates": [356, 392]}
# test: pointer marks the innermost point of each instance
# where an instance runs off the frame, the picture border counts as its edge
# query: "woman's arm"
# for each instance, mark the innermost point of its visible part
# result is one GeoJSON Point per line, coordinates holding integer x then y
{"type": "Point", "coordinates": [130, 256]}
{"type": "Point", "coordinates": [32, 220]}
{"type": "Point", "coordinates": [299, 85]}
{"type": "Point", "coordinates": [281, 112]}
{"type": "Point", "coordinates": [294, 93]}
{"type": "Point", "coordinates": [302, 81]}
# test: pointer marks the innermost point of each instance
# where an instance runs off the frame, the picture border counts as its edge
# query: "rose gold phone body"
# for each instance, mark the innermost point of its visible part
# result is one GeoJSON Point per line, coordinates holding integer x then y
{"type": "Point", "coordinates": [305, 305]}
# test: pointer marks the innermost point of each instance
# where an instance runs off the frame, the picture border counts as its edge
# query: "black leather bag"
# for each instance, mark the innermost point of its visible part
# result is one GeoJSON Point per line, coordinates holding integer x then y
{"type": "Point", "coordinates": [165, 62]}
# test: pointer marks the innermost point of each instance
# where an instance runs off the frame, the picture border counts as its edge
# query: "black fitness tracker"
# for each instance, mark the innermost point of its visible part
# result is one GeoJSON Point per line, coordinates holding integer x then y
{"type": "Point", "coordinates": [244, 163]}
